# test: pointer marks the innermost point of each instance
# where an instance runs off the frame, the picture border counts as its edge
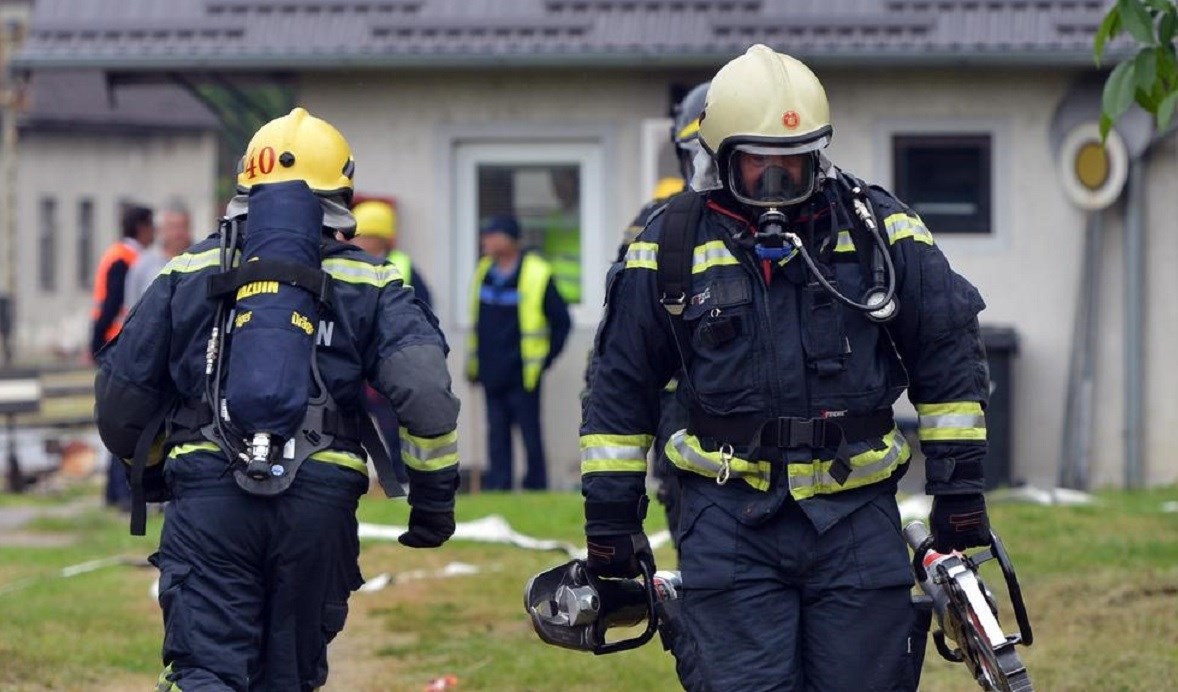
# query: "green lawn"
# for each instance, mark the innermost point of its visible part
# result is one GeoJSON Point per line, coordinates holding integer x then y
{"type": "Point", "coordinates": [1101, 585]}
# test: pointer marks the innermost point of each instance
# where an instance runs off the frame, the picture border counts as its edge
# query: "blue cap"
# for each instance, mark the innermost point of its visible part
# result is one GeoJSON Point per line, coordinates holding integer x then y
{"type": "Point", "coordinates": [501, 224]}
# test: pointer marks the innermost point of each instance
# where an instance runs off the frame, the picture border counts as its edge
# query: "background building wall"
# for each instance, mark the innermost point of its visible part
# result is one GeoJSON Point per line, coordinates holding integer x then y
{"type": "Point", "coordinates": [150, 169]}
{"type": "Point", "coordinates": [403, 126]}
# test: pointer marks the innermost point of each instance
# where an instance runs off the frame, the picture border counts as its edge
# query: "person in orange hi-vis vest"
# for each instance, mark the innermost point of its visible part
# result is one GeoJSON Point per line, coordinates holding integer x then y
{"type": "Point", "coordinates": [109, 310]}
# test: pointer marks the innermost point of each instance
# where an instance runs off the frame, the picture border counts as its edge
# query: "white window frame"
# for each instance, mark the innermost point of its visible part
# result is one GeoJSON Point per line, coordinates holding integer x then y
{"type": "Point", "coordinates": [588, 155]}
{"type": "Point", "coordinates": [999, 239]}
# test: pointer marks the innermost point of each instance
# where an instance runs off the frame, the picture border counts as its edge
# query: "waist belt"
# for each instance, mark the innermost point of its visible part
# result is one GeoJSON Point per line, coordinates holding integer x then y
{"type": "Point", "coordinates": [190, 416]}
{"type": "Point", "coordinates": [751, 432]}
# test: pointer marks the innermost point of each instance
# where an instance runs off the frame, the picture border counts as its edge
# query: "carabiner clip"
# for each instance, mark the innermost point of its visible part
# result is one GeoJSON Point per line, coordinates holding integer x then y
{"type": "Point", "coordinates": [726, 452]}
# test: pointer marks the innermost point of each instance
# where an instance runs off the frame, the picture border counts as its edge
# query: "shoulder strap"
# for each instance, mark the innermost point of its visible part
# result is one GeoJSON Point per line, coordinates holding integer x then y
{"type": "Point", "coordinates": [676, 243]}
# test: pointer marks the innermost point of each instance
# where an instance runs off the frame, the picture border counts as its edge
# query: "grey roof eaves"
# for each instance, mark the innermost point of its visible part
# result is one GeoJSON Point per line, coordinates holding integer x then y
{"type": "Point", "coordinates": [329, 61]}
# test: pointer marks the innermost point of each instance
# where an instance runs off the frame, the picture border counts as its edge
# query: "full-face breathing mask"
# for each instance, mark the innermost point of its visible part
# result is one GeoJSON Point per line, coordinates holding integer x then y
{"type": "Point", "coordinates": [785, 179]}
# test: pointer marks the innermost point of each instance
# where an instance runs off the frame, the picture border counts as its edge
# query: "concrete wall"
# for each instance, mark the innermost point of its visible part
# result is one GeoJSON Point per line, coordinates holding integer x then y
{"type": "Point", "coordinates": [150, 169]}
{"type": "Point", "coordinates": [404, 129]}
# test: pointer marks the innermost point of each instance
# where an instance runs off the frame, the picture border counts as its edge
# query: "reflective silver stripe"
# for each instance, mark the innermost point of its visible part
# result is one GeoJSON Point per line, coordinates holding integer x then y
{"type": "Point", "coordinates": [820, 480]}
{"type": "Point", "coordinates": [424, 454]}
{"type": "Point", "coordinates": [697, 461]}
{"type": "Point", "coordinates": [356, 272]}
{"type": "Point", "coordinates": [187, 263]}
{"type": "Point", "coordinates": [711, 254]}
{"type": "Point", "coordinates": [686, 456]}
{"type": "Point", "coordinates": [953, 420]}
{"type": "Point", "coordinates": [612, 453]}
{"type": "Point", "coordinates": [642, 252]}
{"type": "Point", "coordinates": [900, 226]}
{"type": "Point", "coordinates": [845, 243]}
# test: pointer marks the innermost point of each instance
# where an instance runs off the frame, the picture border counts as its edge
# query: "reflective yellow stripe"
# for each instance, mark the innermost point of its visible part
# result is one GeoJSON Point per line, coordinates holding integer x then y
{"type": "Point", "coordinates": [357, 272]}
{"type": "Point", "coordinates": [845, 244]}
{"type": "Point", "coordinates": [900, 226]}
{"type": "Point", "coordinates": [813, 478]}
{"type": "Point", "coordinates": [180, 450]}
{"type": "Point", "coordinates": [602, 453]}
{"type": "Point", "coordinates": [329, 456]}
{"type": "Point", "coordinates": [346, 270]}
{"type": "Point", "coordinates": [685, 452]}
{"type": "Point", "coordinates": [711, 254]}
{"type": "Point", "coordinates": [344, 459]}
{"type": "Point", "coordinates": [186, 263]}
{"type": "Point", "coordinates": [429, 453]}
{"type": "Point", "coordinates": [806, 479]}
{"type": "Point", "coordinates": [642, 256]}
{"type": "Point", "coordinates": [953, 421]}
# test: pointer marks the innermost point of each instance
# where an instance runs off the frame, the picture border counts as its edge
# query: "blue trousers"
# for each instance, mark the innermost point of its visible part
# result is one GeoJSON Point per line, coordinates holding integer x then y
{"type": "Point", "coordinates": [506, 408]}
{"type": "Point", "coordinates": [780, 607]}
{"type": "Point", "coordinates": [253, 589]}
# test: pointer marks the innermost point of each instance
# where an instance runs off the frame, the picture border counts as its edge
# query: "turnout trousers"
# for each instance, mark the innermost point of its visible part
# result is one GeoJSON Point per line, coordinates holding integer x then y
{"type": "Point", "coordinates": [778, 606]}
{"type": "Point", "coordinates": [253, 589]}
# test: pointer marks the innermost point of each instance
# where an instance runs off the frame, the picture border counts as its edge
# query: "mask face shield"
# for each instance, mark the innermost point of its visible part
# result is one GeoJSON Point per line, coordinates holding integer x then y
{"type": "Point", "coordinates": [762, 175]}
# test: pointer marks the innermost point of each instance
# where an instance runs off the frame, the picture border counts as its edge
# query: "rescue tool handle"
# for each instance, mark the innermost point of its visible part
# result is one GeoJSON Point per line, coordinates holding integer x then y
{"type": "Point", "coordinates": [917, 534]}
{"type": "Point", "coordinates": [998, 552]}
{"type": "Point", "coordinates": [646, 564]}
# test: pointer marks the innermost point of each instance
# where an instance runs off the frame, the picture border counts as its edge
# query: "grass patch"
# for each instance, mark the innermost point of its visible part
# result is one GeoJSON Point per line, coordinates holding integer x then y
{"type": "Point", "coordinates": [1101, 584]}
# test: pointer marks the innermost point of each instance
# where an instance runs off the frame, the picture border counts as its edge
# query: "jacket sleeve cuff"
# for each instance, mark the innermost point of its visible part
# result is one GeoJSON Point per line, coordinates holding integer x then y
{"type": "Point", "coordinates": [952, 476]}
{"type": "Point", "coordinates": [433, 491]}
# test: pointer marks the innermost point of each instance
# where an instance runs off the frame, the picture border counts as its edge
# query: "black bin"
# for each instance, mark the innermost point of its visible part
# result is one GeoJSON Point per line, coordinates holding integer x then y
{"type": "Point", "coordinates": [1001, 346]}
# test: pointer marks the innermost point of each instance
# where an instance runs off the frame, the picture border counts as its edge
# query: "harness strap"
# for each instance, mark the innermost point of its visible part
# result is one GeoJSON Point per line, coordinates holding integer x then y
{"type": "Point", "coordinates": [313, 280]}
{"type": "Point", "coordinates": [138, 466]}
{"type": "Point", "coordinates": [191, 416]}
{"type": "Point", "coordinates": [675, 250]}
{"type": "Point", "coordinates": [381, 459]}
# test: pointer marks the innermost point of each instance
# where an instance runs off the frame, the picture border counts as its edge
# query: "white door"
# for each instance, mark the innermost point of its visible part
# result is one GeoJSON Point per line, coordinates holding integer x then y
{"type": "Point", "coordinates": [554, 189]}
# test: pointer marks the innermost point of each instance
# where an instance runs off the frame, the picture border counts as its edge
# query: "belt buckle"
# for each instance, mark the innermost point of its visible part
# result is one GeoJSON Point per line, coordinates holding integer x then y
{"type": "Point", "coordinates": [807, 432]}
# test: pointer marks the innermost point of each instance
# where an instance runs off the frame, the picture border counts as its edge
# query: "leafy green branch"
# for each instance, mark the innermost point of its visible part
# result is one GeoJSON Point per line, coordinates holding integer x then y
{"type": "Point", "coordinates": [1150, 76]}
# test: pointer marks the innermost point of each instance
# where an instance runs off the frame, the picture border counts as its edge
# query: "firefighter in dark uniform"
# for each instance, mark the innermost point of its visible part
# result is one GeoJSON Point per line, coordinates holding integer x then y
{"type": "Point", "coordinates": [252, 587]}
{"type": "Point", "coordinates": [798, 327]}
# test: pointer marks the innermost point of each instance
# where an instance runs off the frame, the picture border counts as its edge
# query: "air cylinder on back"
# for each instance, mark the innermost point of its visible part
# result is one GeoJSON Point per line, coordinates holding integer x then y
{"type": "Point", "coordinates": [269, 377]}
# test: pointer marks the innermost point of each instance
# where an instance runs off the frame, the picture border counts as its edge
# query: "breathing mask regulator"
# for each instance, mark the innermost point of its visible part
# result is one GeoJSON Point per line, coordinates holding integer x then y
{"type": "Point", "coordinates": [778, 179]}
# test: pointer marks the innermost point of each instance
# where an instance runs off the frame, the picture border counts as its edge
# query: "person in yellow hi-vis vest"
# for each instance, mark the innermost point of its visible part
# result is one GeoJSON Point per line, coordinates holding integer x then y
{"type": "Point", "coordinates": [519, 326]}
{"type": "Point", "coordinates": [376, 234]}
{"type": "Point", "coordinates": [561, 244]}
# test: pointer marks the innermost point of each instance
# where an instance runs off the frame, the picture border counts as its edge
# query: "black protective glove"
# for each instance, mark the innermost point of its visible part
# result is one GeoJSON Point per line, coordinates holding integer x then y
{"type": "Point", "coordinates": [959, 522]}
{"type": "Point", "coordinates": [617, 555]}
{"type": "Point", "coordinates": [428, 529]}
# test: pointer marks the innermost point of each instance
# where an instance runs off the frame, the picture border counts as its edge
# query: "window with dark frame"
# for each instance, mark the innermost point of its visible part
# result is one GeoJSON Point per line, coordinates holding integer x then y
{"type": "Point", "coordinates": [47, 245]}
{"type": "Point", "coordinates": [946, 179]}
{"type": "Point", "coordinates": [85, 265]}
